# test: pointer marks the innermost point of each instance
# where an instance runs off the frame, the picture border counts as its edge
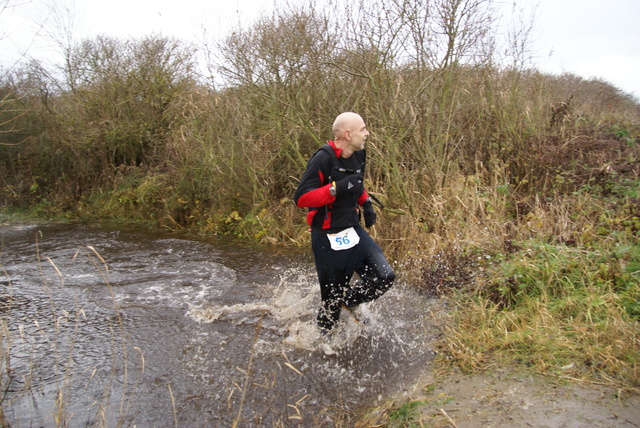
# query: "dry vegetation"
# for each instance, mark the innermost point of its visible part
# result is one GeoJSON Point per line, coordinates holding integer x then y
{"type": "Point", "coordinates": [512, 192]}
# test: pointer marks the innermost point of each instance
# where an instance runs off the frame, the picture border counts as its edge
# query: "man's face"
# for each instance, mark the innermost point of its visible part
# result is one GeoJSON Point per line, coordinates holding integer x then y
{"type": "Point", "coordinates": [357, 135]}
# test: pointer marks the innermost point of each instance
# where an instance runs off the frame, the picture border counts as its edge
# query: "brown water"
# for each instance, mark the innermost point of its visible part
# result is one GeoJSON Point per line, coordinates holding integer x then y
{"type": "Point", "coordinates": [110, 327]}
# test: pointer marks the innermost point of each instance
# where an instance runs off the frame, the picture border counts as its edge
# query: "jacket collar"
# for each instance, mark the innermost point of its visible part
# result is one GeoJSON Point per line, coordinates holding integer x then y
{"type": "Point", "coordinates": [335, 149]}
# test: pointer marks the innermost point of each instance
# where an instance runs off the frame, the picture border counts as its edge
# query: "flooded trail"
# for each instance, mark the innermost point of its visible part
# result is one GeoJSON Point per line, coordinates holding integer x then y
{"type": "Point", "coordinates": [109, 327]}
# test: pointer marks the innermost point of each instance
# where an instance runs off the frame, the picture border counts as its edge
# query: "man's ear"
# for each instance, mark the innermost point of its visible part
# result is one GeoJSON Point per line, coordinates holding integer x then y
{"type": "Point", "coordinates": [347, 134]}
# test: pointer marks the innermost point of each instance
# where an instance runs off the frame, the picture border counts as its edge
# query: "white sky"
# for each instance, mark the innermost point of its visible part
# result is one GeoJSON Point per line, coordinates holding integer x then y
{"type": "Point", "coordinates": [590, 38]}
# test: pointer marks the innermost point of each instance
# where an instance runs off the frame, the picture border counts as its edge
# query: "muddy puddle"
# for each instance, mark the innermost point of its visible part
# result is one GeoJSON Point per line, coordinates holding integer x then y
{"type": "Point", "coordinates": [107, 326]}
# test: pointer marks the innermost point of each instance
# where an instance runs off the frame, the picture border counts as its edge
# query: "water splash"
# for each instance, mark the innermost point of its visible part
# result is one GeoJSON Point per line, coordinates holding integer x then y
{"type": "Point", "coordinates": [194, 315]}
{"type": "Point", "coordinates": [290, 311]}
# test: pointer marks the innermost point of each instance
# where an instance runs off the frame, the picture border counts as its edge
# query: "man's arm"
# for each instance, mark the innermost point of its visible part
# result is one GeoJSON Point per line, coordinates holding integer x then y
{"type": "Point", "coordinates": [312, 192]}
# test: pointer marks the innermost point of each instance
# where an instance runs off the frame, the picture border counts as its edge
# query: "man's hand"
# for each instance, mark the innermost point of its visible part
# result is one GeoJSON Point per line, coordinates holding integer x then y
{"type": "Point", "coordinates": [369, 214]}
{"type": "Point", "coordinates": [350, 184]}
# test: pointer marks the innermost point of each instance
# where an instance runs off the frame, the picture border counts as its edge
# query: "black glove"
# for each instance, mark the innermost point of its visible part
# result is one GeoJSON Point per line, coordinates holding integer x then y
{"type": "Point", "coordinates": [369, 214]}
{"type": "Point", "coordinates": [350, 184]}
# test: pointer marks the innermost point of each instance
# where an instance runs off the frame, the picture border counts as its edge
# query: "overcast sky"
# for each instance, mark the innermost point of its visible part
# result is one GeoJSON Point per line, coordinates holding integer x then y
{"type": "Point", "coordinates": [591, 38]}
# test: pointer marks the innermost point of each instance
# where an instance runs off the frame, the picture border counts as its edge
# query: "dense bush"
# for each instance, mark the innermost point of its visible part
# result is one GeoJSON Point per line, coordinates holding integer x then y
{"type": "Point", "coordinates": [130, 129]}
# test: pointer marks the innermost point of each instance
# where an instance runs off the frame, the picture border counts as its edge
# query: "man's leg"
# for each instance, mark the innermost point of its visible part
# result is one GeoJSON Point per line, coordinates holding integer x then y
{"type": "Point", "coordinates": [330, 307]}
{"type": "Point", "coordinates": [333, 278]}
{"type": "Point", "coordinates": [376, 275]}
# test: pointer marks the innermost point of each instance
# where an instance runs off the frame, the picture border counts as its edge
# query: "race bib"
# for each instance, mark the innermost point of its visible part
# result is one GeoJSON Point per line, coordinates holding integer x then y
{"type": "Point", "coordinates": [344, 240]}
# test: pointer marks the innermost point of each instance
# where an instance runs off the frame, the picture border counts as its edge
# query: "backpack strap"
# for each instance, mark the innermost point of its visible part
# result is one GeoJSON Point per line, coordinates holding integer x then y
{"type": "Point", "coordinates": [361, 156]}
{"type": "Point", "coordinates": [334, 160]}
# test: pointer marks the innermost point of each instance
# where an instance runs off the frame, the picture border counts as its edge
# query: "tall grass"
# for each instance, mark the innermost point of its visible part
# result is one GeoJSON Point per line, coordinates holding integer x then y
{"type": "Point", "coordinates": [132, 131]}
{"type": "Point", "coordinates": [566, 305]}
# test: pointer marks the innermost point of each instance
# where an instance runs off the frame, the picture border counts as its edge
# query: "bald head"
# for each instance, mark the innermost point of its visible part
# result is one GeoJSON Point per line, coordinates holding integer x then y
{"type": "Point", "coordinates": [349, 133]}
{"type": "Point", "coordinates": [346, 121]}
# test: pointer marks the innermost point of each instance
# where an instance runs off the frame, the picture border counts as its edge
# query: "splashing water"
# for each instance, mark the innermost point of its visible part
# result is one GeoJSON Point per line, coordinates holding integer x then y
{"type": "Point", "coordinates": [290, 313]}
{"type": "Point", "coordinates": [355, 365]}
{"type": "Point", "coordinates": [199, 332]}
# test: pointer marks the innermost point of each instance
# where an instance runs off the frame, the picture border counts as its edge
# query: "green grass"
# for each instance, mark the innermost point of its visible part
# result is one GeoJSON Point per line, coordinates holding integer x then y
{"type": "Point", "coordinates": [405, 415]}
{"type": "Point", "coordinates": [557, 309]}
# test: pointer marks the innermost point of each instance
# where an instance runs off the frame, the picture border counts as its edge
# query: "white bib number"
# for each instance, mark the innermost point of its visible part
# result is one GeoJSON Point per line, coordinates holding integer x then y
{"type": "Point", "coordinates": [344, 240]}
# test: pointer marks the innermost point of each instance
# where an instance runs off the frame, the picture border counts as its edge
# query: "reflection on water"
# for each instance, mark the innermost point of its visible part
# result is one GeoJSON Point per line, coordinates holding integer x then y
{"type": "Point", "coordinates": [109, 326]}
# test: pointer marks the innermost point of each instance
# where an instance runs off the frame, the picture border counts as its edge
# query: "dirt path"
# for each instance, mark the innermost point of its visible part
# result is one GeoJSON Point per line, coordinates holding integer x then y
{"type": "Point", "coordinates": [507, 399]}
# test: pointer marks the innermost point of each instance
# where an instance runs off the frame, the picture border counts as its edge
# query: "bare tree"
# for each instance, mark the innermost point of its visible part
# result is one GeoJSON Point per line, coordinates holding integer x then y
{"type": "Point", "coordinates": [465, 26]}
{"type": "Point", "coordinates": [520, 37]}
